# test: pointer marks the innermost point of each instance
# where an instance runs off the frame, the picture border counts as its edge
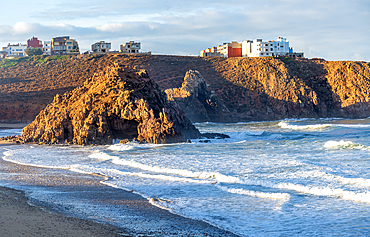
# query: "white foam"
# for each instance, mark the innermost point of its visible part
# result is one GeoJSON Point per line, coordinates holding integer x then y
{"type": "Point", "coordinates": [181, 172]}
{"type": "Point", "coordinates": [302, 127]}
{"type": "Point", "coordinates": [326, 191]}
{"type": "Point", "coordinates": [241, 191]}
{"type": "Point", "coordinates": [344, 144]}
{"type": "Point", "coordinates": [102, 156]}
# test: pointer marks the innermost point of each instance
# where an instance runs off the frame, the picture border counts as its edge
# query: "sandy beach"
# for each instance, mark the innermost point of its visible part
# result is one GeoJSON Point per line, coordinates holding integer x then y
{"type": "Point", "coordinates": [19, 218]}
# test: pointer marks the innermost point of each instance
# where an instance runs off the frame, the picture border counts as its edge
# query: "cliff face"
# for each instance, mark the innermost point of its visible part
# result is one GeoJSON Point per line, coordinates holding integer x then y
{"type": "Point", "coordinates": [197, 100]}
{"type": "Point", "coordinates": [250, 88]}
{"type": "Point", "coordinates": [118, 103]}
{"type": "Point", "coordinates": [276, 88]}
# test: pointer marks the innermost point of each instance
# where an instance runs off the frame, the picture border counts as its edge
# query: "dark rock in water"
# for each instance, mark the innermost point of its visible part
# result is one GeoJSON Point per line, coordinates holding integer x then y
{"type": "Point", "coordinates": [205, 141]}
{"type": "Point", "coordinates": [118, 103]}
{"type": "Point", "coordinates": [214, 135]}
{"type": "Point", "coordinates": [197, 100]}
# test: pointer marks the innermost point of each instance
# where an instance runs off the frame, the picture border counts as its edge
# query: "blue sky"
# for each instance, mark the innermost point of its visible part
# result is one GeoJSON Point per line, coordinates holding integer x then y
{"type": "Point", "coordinates": [331, 29]}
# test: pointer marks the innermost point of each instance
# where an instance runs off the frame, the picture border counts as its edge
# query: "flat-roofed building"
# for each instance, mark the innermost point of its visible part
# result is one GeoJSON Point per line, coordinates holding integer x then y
{"type": "Point", "coordinates": [260, 48]}
{"type": "Point", "coordinates": [64, 46]}
{"type": "Point", "coordinates": [101, 47]}
{"type": "Point", "coordinates": [16, 50]}
{"type": "Point", "coordinates": [47, 48]}
{"type": "Point", "coordinates": [130, 47]}
{"type": "Point", "coordinates": [34, 42]}
{"type": "Point", "coordinates": [228, 50]}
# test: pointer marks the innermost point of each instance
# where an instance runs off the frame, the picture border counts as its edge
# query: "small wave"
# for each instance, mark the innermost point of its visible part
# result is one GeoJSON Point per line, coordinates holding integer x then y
{"type": "Point", "coordinates": [298, 127]}
{"type": "Point", "coordinates": [330, 192]}
{"type": "Point", "coordinates": [344, 144]}
{"type": "Point", "coordinates": [241, 191]}
{"type": "Point", "coordinates": [185, 173]}
{"type": "Point", "coordinates": [353, 125]}
{"type": "Point", "coordinates": [244, 134]}
{"type": "Point", "coordinates": [102, 156]}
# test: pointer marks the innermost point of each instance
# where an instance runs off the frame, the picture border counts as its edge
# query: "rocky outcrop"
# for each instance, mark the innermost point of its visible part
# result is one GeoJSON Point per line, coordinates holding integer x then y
{"type": "Point", "coordinates": [118, 103]}
{"type": "Point", "coordinates": [197, 100]}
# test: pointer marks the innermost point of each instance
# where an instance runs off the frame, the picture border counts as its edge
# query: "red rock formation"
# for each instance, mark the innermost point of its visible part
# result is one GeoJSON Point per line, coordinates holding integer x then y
{"type": "Point", "coordinates": [118, 103]}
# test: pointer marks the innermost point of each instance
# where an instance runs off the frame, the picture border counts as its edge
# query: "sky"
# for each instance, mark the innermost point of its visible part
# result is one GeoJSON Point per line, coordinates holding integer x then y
{"type": "Point", "coordinates": [329, 29]}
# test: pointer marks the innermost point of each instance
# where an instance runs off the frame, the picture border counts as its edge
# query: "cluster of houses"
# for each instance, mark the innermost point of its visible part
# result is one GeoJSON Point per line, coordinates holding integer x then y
{"type": "Point", "coordinates": [64, 46]}
{"type": "Point", "coordinates": [253, 48]}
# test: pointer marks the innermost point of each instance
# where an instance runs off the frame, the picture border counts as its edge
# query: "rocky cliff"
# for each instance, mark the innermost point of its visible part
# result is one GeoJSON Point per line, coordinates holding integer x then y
{"type": "Point", "coordinates": [197, 100]}
{"type": "Point", "coordinates": [250, 88]}
{"type": "Point", "coordinates": [120, 102]}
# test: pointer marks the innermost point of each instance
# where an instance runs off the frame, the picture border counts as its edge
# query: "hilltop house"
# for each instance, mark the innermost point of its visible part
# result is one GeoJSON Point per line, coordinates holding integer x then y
{"type": "Point", "coordinates": [47, 48]}
{"type": "Point", "coordinates": [64, 46]}
{"type": "Point", "coordinates": [255, 48]}
{"type": "Point", "coordinates": [15, 49]}
{"type": "Point", "coordinates": [101, 47]}
{"type": "Point", "coordinates": [130, 47]}
{"type": "Point", "coordinates": [34, 43]}
{"type": "Point", "coordinates": [228, 50]}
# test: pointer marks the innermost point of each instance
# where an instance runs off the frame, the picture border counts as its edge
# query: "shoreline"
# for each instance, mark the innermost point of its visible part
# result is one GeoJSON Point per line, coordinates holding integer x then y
{"type": "Point", "coordinates": [21, 217]}
{"type": "Point", "coordinates": [12, 125]}
{"type": "Point", "coordinates": [141, 217]}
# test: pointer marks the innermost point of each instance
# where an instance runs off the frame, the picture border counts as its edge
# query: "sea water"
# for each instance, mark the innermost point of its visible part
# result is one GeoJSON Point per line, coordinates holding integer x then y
{"type": "Point", "coordinates": [282, 178]}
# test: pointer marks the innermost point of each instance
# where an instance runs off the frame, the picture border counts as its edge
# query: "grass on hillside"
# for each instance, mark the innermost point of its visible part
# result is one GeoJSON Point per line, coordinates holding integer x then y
{"type": "Point", "coordinates": [7, 63]}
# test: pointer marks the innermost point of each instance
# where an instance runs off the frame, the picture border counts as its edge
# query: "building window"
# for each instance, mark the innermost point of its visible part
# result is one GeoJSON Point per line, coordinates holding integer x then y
{"type": "Point", "coordinates": [56, 47]}
{"type": "Point", "coordinates": [62, 47]}
{"type": "Point", "coordinates": [271, 49]}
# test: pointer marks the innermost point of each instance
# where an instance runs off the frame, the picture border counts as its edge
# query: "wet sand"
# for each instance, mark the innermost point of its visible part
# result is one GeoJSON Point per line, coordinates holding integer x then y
{"type": "Point", "coordinates": [45, 218]}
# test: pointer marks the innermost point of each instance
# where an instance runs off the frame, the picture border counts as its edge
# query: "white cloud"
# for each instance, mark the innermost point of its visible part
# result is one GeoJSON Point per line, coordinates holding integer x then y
{"type": "Point", "coordinates": [23, 27]}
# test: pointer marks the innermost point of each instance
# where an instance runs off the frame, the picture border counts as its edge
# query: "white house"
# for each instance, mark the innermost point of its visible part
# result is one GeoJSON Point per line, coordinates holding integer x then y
{"type": "Point", "coordinates": [47, 48]}
{"type": "Point", "coordinates": [16, 49]}
{"type": "Point", "coordinates": [260, 48]}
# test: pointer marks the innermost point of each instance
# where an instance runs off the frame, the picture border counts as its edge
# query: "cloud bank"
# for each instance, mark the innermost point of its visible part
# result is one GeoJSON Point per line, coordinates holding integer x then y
{"type": "Point", "coordinates": [334, 30]}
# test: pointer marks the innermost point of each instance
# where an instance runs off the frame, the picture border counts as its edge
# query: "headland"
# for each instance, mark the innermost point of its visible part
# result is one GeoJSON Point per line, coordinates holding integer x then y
{"type": "Point", "coordinates": [251, 88]}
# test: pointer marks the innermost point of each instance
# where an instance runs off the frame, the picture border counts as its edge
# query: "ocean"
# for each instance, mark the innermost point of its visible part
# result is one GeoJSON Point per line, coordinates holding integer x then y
{"type": "Point", "coordinates": [293, 177]}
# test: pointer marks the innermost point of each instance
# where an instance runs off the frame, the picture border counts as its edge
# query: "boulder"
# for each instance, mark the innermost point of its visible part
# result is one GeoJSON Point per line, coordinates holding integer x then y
{"type": "Point", "coordinates": [120, 102]}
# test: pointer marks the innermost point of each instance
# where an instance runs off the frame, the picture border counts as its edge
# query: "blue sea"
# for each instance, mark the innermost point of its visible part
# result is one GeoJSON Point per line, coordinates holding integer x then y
{"type": "Point", "coordinates": [296, 177]}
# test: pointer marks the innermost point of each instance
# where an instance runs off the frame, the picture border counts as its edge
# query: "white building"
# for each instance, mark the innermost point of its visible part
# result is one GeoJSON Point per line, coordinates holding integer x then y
{"type": "Point", "coordinates": [47, 48]}
{"type": "Point", "coordinates": [101, 47]}
{"type": "Point", "coordinates": [16, 49]}
{"type": "Point", "coordinates": [260, 48]}
{"type": "Point", "coordinates": [130, 47]}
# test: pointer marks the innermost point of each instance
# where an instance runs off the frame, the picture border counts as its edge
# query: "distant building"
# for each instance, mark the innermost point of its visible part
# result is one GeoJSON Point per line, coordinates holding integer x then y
{"type": "Point", "coordinates": [64, 46]}
{"type": "Point", "coordinates": [15, 50]}
{"type": "Point", "coordinates": [130, 47]}
{"type": "Point", "coordinates": [210, 52]}
{"type": "Point", "coordinates": [260, 48]}
{"type": "Point", "coordinates": [228, 50]}
{"type": "Point", "coordinates": [47, 48]}
{"type": "Point", "coordinates": [255, 48]}
{"type": "Point", "coordinates": [34, 43]}
{"type": "Point", "coordinates": [101, 47]}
